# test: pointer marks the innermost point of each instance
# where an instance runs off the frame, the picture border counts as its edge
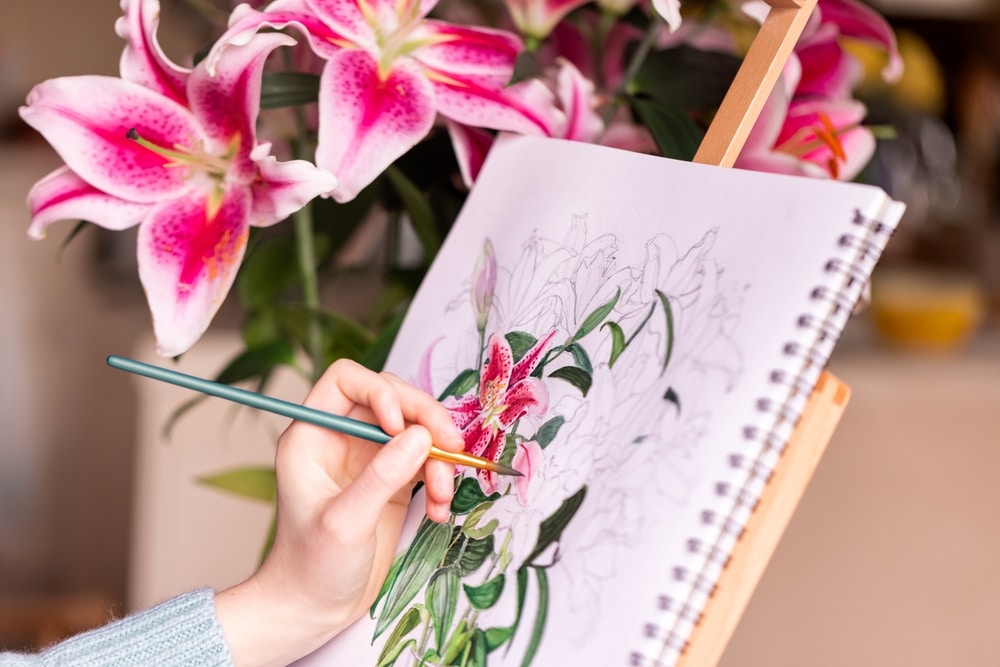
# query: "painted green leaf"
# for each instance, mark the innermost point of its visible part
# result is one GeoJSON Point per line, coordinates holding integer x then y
{"type": "Point", "coordinates": [288, 89]}
{"type": "Point", "coordinates": [474, 554]}
{"type": "Point", "coordinates": [497, 637]}
{"type": "Point", "coordinates": [672, 396]}
{"type": "Point", "coordinates": [549, 430]}
{"type": "Point", "coordinates": [670, 329]}
{"type": "Point", "coordinates": [617, 342]}
{"type": "Point", "coordinates": [389, 578]}
{"type": "Point", "coordinates": [395, 645]}
{"type": "Point", "coordinates": [577, 377]}
{"type": "Point", "coordinates": [419, 211]}
{"type": "Point", "coordinates": [542, 616]}
{"type": "Point", "coordinates": [471, 527]}
{"type": "Point", "coordinates": [419, 562]}
{"type": "Point", "coordinates": [442, 600]}
{"type": "Point", "coordinates": [580, 357]}
{"type": "Point", "coordinates": [255, 483]}
{"type": "Point", "coordinates": [487, 594]}
{"type": "Point", "coordinates": [522, 594]}
{"type": "Point", "coordinates": [520, 342]}
{"type": "Point", "coordinates": [477, 656]}
{"type": "Point", "coordinates": [468, 495]}
{"type": "Point", "coordinates": [462, 383]}
{"type": "Point", "coordinates": [599, 315]}
{"type": "Point", "coordinates": [551, 529]}
{"type": "Point", "coordinates": [459, 639]}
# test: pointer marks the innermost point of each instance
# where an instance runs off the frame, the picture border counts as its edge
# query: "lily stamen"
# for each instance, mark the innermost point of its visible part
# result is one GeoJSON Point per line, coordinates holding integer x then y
{"type": "Point", "coordinates": [181, 157]}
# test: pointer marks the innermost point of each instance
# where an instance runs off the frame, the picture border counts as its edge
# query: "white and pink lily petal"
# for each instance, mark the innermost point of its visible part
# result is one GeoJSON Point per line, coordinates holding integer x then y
{"type": "Point", "coordinates": [192, 177]}
{"type": "Point", "coordinates": [859, 21]}
{"type": "Point", "coordinates": [389, 72]}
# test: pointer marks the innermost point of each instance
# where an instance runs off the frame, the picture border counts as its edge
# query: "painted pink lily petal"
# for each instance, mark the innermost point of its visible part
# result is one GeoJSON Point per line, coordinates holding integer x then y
{"type": "Point", "coordinates": [858, 21]}
{"type": "Point", "coordinates": [62, 195]}
{"type": "Point", "coordinates": [527, 461]}
{"type": "Point", "coordinates": [506, 394]}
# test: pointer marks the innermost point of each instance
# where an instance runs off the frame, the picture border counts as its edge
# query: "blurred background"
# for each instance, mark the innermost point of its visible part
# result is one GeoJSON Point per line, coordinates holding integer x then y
{"type": "Point", "coordinates": [890, 559]}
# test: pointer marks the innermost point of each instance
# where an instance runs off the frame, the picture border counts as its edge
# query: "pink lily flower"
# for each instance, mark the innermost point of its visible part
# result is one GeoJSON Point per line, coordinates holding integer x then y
{"type": "Point", "coordinates": [815, 137]}
{"type": "Point", "coordinates": [388, 72]}
{"type": "Point", "coordinates": [173, 151]}
{"type": "Point", "coordinates": [506, 394]}
{"type": "Point", "coordinates": [527, 461]}
{"type": "Point", "coordinates": [535, 19]}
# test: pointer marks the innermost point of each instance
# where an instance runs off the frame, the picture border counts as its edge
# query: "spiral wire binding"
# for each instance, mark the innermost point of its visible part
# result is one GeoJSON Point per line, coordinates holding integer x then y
{"type": "Point", "coordinates": [779, 418]}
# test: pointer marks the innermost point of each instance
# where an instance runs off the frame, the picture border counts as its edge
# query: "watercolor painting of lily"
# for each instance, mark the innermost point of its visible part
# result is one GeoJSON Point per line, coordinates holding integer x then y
{"type": "Point", "coordinates": [453, 576]}
{"type": "Point", "coordinates": [174, 151]}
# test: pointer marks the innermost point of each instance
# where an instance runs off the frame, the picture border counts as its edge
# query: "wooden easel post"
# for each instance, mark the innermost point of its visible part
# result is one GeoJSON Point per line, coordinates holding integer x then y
{"type": "Point", "coordinates": [722, 144]}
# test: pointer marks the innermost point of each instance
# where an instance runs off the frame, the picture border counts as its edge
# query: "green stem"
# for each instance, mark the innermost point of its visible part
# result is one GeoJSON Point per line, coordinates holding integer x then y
{"type": "Point", "coordinates": [638, 58]}
{"type": "Point", "coordinates": [305, 242]}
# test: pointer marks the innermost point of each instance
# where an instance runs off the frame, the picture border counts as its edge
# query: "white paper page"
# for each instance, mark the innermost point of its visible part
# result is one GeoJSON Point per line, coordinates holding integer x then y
{"type": "Point", "coordinates": [736, 255]}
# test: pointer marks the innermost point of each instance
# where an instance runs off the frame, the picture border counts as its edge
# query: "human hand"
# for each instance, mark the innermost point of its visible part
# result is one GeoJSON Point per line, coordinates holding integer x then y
{"type": "Point", "coordinates": [341, 506]}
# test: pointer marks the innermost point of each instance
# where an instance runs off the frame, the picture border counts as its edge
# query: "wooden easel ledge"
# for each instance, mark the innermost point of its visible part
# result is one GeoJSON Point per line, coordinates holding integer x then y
{"type": "Point", "coordinates": [723, 142]}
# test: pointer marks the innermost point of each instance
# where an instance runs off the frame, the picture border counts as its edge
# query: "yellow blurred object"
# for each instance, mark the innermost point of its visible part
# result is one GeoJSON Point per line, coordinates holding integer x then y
{"type": "Point", "coordinates": [921, 87]}
{"type": "Point", "coordinates": [926, 309]}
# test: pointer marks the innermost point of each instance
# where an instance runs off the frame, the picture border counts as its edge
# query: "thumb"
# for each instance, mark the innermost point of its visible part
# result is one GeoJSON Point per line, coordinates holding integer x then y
{"type": "Point", "coordinates": [391, 470]}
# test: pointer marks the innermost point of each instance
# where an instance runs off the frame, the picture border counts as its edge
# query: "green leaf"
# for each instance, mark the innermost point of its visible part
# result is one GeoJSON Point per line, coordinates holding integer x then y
{"type": "Point", "coordinates": [389, 578]}
{"type": "Point", "coordinates": [73, 233]}
{"type": "Point", "coordinates": [462, 384]}
{"type": "Point", "coordinates": [577, 377]}
{"type": "Point", "coordinates": [468, 495]}
{"type": "Point", "coordinates": [487, 594]}
{"type": "Point", "coordinates": [477, 657]}
{"type": "Point", "coordinates": [394, 645]}
{"type": "Point", "coordinates": [548, 431]}
{"type": "Point", "coordinates": [672, 396]}
{"type": "Point", "coordinates": [540, 619]}
{"type": "Point", "coordinates": [497, 637]}
{"type": "Point", "coordinates": [595, 318]}
{"type": "Point", "coordinates": [470, 526]}
{"type": "Point", "coordinates": [442, 600]}
{"type": "Point", "coordinates": [286, 89]}
{"type": "Point", "coordinates": [255, 483]}
{"type": "Point", "coordinates": [474, 553]}
{"type": "Point", "coordinates": [257, 363]}
{"type": "Point", "coordinates": [421, 559]}
{"type": "Point", "coordinates": [459, 639]}
{"type": "Point", "coordinates": [551, 529]}
{"type": "Point", "coordinates": [675, 132]}
{"type": "Point", "coordinates": [580, 357]}
{"type": "Point", "coordinates": [522, 594]}
{"type": "Point", "coordinates": [377, 352]}
{"type": "Point", "coordinates": [670, 329]}
{"type": "Point", "coordinates": [686, 76]}
{"type": "Point", "coordinates": [617, 342]}
{"type": "Point", "coordinates": [419, 211]}
{"type": "Point", "coordinates": [262, 327]}
{"type": "Point", "coordinates": [520, 342]}
{"type": "Point", "coordinates": [268, 270]}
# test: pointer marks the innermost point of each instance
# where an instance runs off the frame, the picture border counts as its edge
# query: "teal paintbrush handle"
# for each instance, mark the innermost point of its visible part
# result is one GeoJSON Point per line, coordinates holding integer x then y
{"type": "Point", "coordinates": [334, 422]}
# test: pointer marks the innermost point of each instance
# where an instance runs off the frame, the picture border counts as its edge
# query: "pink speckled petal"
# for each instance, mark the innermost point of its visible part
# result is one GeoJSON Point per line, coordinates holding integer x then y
{"type": "Point", "coordinates": [525, 108]}
{"type": "Point", "coordinates": [494, 378]}
{"type": "Point", "coordinates": [527, 397]}
{"type": "Point", "coordinates": [91, 139]}
{"type": "Point", "coordinates": [284, 187]}
{"type": "Point", "coordinates": [357, 19]}
{"type": "Point", "coordinates": [527, 460]}
{"type": "Point", "coordinates": [481, 56]}
{"type": "Point", "coordinates": [577, 95]}
{"type": "Point", "coordinates": [227, 102]}
{"type": "Point", "coordinates": [858, 143]}
{"type": "Point", "coordinates": [861, 22]}
{"type": "Point", "coordinates": [489, 481]}
{"type": "Point", "coordinates": [188, 261]}
{"type": "Point", "coordinates": [367, 121]}
{"type": "Point", "coordinates": [827, 70]}
{"type": "Point", "coordinates": [526, 364]}
{"type": "Point", "coordinates": [62, 195]}
{"type": "Point", "coordinates": [477, 436]}
{"type": "Point", "coordinates": [463, 409]}
{"type": "Point", "coordinates": [143, 61]}
{"type": "Point", "coordinates": [471, 146]}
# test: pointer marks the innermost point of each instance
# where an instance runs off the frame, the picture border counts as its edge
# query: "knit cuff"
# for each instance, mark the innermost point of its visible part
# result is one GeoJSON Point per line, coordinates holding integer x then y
{"type": "Point", "coordinates": [182, 631]}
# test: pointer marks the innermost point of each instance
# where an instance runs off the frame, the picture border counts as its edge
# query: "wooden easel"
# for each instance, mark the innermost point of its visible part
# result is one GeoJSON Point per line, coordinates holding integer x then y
{"type": "Point", "coordinates": [722, 144]}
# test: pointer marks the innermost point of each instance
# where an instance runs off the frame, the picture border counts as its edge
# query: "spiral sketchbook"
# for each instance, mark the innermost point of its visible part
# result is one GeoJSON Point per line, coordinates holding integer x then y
{"type": "Point", "coordinates": [636, 335]}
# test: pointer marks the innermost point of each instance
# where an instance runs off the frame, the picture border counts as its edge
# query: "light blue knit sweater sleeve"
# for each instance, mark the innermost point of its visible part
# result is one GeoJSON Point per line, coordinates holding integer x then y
{"type": "Point", "coordinates": [182, 631]}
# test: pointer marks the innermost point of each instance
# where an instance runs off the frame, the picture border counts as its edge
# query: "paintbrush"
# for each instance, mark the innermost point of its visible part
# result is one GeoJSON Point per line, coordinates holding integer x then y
{"type": "Point", "coordinates": [346, 425]}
